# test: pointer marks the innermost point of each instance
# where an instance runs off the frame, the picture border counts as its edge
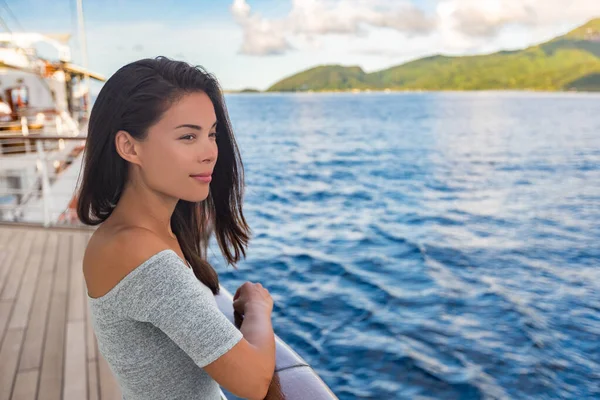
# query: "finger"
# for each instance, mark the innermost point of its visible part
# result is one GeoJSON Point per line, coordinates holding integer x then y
{"type": "Point", "coordinates": [237, 305]}
{"type": "Point", "coordinates": [237, 293]}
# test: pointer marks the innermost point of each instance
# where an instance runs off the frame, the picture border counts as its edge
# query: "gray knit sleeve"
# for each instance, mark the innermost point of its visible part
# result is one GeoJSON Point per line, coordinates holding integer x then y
{"type": "Point", "coordinates": [166, 293]}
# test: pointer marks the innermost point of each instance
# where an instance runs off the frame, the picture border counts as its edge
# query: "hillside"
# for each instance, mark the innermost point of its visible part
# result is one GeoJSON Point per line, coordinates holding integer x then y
{"type": "Point", "coordinates": [568, 62]}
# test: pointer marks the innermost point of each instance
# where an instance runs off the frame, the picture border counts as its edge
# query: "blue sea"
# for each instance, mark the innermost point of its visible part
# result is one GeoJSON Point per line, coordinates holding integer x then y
{"type": "Point", "coordinates": [428, 245]}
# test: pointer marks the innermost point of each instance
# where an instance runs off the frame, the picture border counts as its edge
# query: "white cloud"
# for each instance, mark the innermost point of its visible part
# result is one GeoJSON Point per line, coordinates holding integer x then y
{"type": "Point", "coordinates": [353, 16]}
{"type": "Point", "coordinates": [261, 36]}
{"type": "Point", "coordinates": [471, 25]}
{"type": "Point", "coordinates": [462, 24]}
{"type": "Point", "coordinates": [309, 18]}
{"type": "Point", "coordinates": [485, 18]}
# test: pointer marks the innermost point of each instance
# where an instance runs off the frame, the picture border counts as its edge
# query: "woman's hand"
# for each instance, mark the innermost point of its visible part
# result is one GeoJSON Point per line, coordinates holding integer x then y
{"type": "Point", "coordinates": [252, 295]}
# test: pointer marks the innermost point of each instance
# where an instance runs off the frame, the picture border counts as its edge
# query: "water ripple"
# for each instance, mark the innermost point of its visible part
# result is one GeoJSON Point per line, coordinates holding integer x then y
{"type": "Point", "coordinates": [428, 246]}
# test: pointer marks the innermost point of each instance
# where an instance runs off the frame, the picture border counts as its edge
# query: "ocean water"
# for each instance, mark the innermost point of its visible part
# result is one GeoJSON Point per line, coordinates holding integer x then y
{"type": "Point", "coordinates": [428, 245]}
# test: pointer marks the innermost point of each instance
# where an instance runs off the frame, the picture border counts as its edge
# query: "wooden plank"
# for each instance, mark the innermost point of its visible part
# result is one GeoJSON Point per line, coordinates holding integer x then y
{"type": "Point", "coordinates": [9, 357]}
{"type": "Point", "coordinates": [17, 268]}
{"type": "Point", "coordinates": [76, 284]}
{"type": "Point", "coordinates": [4, 239]}
{"type": "Point", "coordinates": [109, 388]}
{"type": "Point", "coordinates": [91, 343]}
{"type": "Point", "coordinates": [93, 387]}
{"type": "Point", "coordinates": [31, 356]}
{"type": "Point", "coordinates": [53, 352]}
{"type": "Point", "coordinates": [5, 308]}
{"type": "Point", "coordinates": [49, 261]}
{"type": "Point", "coordinates": [12, 247]}
{"type": "Point", "coordinates": [3, 259]}
{"type": "Point", "coordinates": [26, 385]}
{"type": "Point", "coordinates": [3, 234]}
{"type": "Point", "coordinates": [90, 338]}
{"type": "Point", "coordinates": [24, 299]}
{"type": "Point", "coordinates": [75, 377]}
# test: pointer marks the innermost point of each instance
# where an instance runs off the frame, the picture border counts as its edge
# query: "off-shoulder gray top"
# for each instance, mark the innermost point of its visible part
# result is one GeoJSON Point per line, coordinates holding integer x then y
{"type": "Point", "coordinates": [158, 327]}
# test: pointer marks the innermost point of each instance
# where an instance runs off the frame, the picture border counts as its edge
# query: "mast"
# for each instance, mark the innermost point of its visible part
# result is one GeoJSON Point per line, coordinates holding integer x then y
{"type": "Point", "coordinates": [82, 42]}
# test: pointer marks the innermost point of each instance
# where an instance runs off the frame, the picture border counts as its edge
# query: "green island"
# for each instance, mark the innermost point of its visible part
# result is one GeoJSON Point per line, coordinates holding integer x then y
{"type": "Point", "coordinates": [570, 62]}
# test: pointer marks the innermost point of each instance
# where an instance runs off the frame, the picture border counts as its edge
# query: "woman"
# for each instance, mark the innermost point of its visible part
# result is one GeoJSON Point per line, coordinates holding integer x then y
{"type": "Point", "coordinates": [162, 168]}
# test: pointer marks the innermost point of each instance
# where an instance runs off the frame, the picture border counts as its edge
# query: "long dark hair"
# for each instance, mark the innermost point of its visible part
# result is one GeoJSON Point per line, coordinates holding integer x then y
{"type": "Point", "coordinates": [135, 98]}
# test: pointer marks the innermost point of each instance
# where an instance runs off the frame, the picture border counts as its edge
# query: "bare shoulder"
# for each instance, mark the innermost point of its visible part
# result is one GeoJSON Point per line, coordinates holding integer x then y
{"type": "Point", "coordinates": [112, 254]}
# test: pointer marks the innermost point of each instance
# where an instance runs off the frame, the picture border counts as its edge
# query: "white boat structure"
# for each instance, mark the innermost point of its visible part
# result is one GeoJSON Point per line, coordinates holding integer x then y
{"type": "Point", "coordinates": [43, 120]}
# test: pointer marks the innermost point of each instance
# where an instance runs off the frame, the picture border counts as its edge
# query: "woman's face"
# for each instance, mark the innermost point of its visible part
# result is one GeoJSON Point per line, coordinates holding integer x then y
{"type": "Point", "coordinates": [182, 144]}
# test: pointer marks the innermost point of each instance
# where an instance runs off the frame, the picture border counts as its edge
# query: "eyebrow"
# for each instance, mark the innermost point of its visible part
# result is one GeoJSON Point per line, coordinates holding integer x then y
{"type": "Point", "coordinates": [192, 126]}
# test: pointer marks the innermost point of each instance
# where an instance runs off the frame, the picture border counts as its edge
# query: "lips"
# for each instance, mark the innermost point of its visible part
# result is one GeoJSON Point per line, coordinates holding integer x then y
{"type": "Point", "coordinates": [205, 177]}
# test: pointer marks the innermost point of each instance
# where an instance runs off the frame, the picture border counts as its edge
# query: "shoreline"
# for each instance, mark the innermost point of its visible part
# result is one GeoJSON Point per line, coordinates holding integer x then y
{"type": "Point", "coordinates": [412, 91]}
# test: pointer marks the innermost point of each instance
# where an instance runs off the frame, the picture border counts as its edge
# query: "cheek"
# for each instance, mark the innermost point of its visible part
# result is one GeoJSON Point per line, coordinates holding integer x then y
{"type": "Point", "coordinates": [167, 167]}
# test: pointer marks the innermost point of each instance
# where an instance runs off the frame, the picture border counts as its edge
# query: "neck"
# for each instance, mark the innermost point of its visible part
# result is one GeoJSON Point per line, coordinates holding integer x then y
{"type": "Point", "coordinates": [141, 206]}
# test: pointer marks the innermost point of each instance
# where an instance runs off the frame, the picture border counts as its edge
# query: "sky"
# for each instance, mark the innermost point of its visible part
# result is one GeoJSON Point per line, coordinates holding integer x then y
{"type": "Point", "coordinates": [255, 43]}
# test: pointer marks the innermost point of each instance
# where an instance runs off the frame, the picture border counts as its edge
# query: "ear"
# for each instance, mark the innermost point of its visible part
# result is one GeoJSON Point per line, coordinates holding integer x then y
{"type": "Point", "coordinates": [127, 147]}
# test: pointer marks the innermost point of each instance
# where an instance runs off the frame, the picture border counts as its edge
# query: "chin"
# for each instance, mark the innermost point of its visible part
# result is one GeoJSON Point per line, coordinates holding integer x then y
{"type": "Point", "coordinates": [196, 198]}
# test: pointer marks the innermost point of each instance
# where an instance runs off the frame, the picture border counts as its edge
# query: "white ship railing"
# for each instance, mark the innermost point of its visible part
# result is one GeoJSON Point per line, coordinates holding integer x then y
{"type": "Point", "coordinates": [38, 177]}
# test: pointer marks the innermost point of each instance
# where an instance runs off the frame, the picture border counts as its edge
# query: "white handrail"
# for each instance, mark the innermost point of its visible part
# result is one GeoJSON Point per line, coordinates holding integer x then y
{"type": "Point", "coordinates": [46, 195]}
{"type": "Point", "coordinates": [39, 185]}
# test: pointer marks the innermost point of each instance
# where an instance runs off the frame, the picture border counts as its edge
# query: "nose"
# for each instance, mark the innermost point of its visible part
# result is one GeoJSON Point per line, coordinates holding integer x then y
{"type": "Point", "coordinates": [208, 151]}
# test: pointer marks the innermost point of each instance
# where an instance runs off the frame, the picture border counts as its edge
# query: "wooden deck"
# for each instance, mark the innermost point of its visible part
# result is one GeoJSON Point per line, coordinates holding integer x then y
{"type": "Point", "coordinates": [48, 349]}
